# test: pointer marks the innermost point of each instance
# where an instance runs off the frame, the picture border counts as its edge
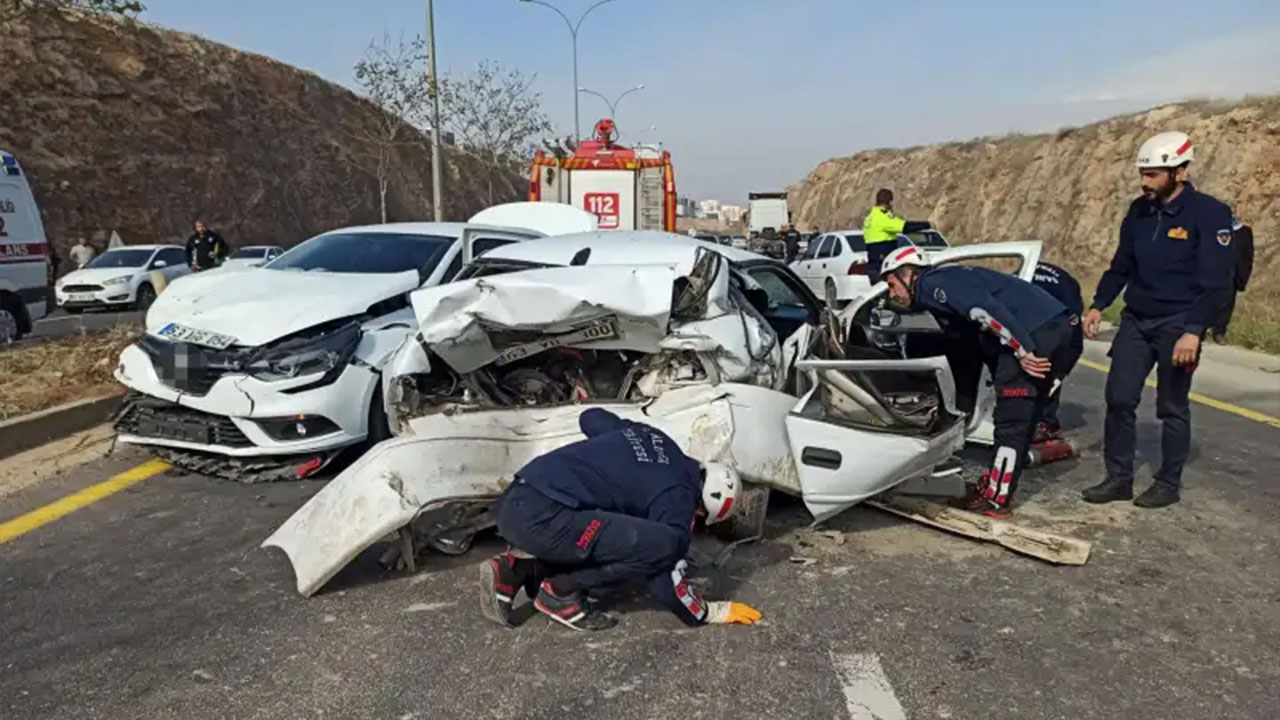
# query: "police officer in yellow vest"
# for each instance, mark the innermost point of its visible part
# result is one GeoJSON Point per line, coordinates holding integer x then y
{"type": "Point", "coordinates": [882, 227]}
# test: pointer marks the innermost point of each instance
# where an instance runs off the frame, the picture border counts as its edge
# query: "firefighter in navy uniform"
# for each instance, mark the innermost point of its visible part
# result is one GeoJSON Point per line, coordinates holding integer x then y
{"type": "Point", "coordinates": [1027, 346]}
{"type": "Point", "coordinates": [1065, 289]}
{"type": "Point", "coordinates": [205, 248]}
{"type": "Point", "coordinates": [1176, 264]}
{"type": "Point", "coordinates": [617, 506]}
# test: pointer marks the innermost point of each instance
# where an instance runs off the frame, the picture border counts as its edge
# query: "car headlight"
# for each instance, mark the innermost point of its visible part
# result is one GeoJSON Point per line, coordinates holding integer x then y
{"type": "Point", "coordinates": [118, 280]}
{"type": "Point", "coordinates": [306, 355]}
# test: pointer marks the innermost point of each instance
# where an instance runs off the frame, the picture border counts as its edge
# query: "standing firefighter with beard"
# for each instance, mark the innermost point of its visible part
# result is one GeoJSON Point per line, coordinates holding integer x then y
{"type": "Point", "coordinates": [1028, 348]}
{"type": "Point", "coordinates": [1176, 265]}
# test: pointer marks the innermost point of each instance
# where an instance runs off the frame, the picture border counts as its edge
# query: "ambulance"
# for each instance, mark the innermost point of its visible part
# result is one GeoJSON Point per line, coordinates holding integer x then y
{"type": "Point", "coordinates": [625, 188]}
{"type": "Point", "coordinates": [24, 254]}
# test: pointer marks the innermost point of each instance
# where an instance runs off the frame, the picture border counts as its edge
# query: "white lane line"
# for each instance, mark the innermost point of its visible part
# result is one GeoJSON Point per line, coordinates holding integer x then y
{"type": "Point", "coordinates": [867, 692]}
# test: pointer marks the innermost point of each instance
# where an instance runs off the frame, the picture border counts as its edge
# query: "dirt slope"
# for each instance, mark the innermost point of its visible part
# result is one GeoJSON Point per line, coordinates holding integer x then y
{"type": "Point", "coordinates": [126, 126]}
{"type": "Point", "coordinates": [1069, 189]}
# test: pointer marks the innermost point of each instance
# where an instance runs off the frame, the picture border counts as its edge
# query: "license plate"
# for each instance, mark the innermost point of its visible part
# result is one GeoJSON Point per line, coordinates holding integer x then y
{"type": "Point", "coordinates": [602, 329]}
{"type": "Point", "coordinates": [81, 297]}
{"type": "Point", "coordinates": [181, 333]}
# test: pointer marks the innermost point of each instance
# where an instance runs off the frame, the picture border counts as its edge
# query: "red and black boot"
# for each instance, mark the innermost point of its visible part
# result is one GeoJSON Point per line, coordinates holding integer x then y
{"type": "Point", "coordinates": [501, 577]}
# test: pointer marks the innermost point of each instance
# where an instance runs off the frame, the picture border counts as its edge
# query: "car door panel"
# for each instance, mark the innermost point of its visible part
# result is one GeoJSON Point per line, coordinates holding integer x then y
{"type": "Point", "coordinates": [847, 445]}
{"type": "Point", "coordinates": [980, 426]}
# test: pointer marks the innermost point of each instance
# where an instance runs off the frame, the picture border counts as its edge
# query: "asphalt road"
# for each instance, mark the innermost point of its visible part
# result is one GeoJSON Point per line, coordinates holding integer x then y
{"type": "Point", "coordinates": [60, 324]}
{"type": "Point", "coordinates": [157, 602]}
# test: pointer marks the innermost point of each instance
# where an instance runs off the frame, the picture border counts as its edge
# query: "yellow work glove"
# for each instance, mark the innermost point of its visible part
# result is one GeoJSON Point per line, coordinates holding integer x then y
{"type": "Point", "coordinates": [722, 613]}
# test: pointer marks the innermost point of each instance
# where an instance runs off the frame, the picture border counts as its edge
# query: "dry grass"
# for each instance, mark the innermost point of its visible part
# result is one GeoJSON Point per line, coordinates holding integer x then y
{"type": "Point", "coordinates": [44, 375]}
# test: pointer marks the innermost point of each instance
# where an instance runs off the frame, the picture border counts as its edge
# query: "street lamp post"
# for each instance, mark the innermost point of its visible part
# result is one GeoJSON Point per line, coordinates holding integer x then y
{"type": "Point", "coordinates": [613, 106]}
{"type": "Point", "coordinates": [437, 207]}
{"type": "Point", "coordinates": [573, 31]}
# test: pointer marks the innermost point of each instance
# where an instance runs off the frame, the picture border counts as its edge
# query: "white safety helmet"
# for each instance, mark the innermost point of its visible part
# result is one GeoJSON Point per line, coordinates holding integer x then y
{"type": "Point", "coordinates": [903, 256]}
{"type": "Point", "coordinates": [1166, 150]}
{"type": "Point", "coordinates": [720, 486]}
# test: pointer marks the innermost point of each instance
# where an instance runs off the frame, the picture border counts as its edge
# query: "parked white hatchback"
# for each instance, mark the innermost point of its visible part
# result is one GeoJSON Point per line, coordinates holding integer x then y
{"type": "Point", "coordinates": [837, 262]}
{"type": "Point", "coordinates": [125, 277]}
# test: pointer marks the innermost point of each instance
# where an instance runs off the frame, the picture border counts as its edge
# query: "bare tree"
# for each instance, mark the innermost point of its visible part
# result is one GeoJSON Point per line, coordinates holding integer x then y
{"type": "Point", "coordinates": [494, 115]}
{"type": "Point", "coordinates": [390, 74]}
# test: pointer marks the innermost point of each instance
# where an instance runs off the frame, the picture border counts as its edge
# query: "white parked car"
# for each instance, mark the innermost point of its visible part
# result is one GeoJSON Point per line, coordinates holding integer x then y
{"type": "Point", "coordinates": [725, 350]}
{"type": "Point", "coordinates": [837, 262]}
{"type": "Point", "coordinates": [267, 373]}
{"type": "Point", "coordinates": [131, 276]}
{"type": "Point", "coordinates": [251, 256]}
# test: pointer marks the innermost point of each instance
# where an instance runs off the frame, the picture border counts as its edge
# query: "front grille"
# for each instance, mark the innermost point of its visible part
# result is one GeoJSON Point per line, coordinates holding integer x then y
{"type": "Point", "coordinates": [189, 368]}
{"type": "Point", "coordinates": [150, 417]}
{"type": "Point", "coordinates": [81, 288]}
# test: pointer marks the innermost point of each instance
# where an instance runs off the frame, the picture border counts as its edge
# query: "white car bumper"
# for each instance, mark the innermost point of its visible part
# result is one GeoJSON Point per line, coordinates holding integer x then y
{"type": "Point", "coordinates": [229, 418]}
{"type": "Point", "coordinates": [88, 295]}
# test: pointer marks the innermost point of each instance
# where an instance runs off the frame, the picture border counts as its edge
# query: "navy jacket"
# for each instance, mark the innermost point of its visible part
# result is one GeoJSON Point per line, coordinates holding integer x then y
{"type": "Point", "coordinates": [1174, 258]}
{"type": "Point", "coordinates": [1006, 306]}
{"type": "Point", "coordinates": [622, 467]}
{"type": "Point", "coordinates": [1059, 283]}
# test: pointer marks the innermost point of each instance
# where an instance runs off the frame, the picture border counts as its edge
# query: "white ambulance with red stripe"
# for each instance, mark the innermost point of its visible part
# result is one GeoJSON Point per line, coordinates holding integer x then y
{"type": "Point", "coordinates": [24, 254]}
{"type": "Point", "coordinates": [625, 188]}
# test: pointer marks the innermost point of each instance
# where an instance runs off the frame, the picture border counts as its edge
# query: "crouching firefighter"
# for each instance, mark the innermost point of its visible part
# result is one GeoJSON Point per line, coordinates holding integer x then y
{"type": "Point", "coordinates": [617, 506]}
{"type": "Point", "coordinates": [1027, 350]}
{"type": "Point", "coordinates": [1048, 444]}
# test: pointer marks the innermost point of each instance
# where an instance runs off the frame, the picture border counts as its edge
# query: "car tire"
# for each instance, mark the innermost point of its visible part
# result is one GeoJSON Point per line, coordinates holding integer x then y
{"type": "Point", "coordinates": [379, 426]}
{"type": "Point", "coordinates": [144, 297]}
{"type": "Point", "coordinates": [10, 320]}
{"type": "Point", "coordinates": [748, 521]}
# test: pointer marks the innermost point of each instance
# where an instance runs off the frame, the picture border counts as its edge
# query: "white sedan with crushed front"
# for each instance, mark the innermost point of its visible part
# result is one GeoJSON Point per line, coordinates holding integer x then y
{"type": "Point", "coordinates": [268, 373]}
{"type": "Point", "coordinates": [724, 350]}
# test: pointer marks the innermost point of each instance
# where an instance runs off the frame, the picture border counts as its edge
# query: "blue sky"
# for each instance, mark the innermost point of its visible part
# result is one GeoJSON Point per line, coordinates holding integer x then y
{"type": "Point", "coordinates": [752, 94]}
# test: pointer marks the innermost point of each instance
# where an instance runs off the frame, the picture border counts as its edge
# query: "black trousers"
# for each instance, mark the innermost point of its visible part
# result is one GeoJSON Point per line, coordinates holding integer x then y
{"type": "Point", "coordinates": [876, 253]}
{"type": "Point", "coordinates": [1139, 344]}
{"type": "Point", "coordinates": [1020, 402]}
{"type": "Point", "coordinates": [589, 550]}
{"type": "Point", "coordinates": [1050, 414]}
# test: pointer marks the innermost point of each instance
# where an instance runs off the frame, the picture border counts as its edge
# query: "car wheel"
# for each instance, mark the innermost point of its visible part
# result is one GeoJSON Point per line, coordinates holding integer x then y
{"type": "Point", "coordinates": [146, 295]}
{"type": "Point", "coordinates": [8, 322]}
{"type": "Point", "coordinates": [748, 520]}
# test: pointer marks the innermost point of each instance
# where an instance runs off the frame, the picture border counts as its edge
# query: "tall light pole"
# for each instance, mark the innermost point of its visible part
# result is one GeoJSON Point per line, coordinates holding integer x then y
{"type": "Point", "coordinates": [573, 31]}
{"type": "Point", "coordinates": [436, 204]}
{"type": "Point", "coordinates": [613, 106]}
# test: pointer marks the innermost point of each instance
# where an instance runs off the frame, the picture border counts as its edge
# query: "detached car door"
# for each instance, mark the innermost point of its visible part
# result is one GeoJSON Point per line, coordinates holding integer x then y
{"type": "Point", "coordinates": [861, 317]}
{"type": "Point", "coordinates": [868, 425]}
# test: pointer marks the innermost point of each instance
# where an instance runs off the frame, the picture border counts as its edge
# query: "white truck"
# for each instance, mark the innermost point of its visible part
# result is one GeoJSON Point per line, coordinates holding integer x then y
{"type": "Point", "coordinates": [767, 211]}
{"type": "Point", "coordinates": [24, 254]}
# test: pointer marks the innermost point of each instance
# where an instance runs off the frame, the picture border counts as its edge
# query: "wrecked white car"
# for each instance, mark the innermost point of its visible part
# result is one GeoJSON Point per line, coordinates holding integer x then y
{"type": "Point", "coordinates": [268, 373]}
{"type": "Point", "coordinates": [724, 350]}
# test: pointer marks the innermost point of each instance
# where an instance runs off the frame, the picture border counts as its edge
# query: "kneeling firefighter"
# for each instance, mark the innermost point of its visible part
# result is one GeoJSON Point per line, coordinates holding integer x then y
{"type": "Point", "coordinates": [1027, 348]}
{"type": "Point", "coordinates": [617, 506]}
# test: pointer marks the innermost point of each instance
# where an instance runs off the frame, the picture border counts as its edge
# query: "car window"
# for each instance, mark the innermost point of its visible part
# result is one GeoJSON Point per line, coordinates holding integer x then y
{"type": "Point", "coordinates": [366, 252]}
{"type": "Point", "coordinates": [173, 256]}
{"type": "Point", "coordinates": [454, 266]}
{"type": "Point", "coordinates": [837, 246]}
{"type": "Point", "coordinates": [482, 245]}
{"type": "Point", "coordinates": [777, 287]}
{"type": "Point", "coordinates": [825, 250]}
{"type": "Point", "coordinates": [122, 258]}
{"type": "Point", "coordinates": [856, 243]}
{"type": "Point", "coordinates": [811, 250]}
{"type": "Point", "coordinates": [927, 239]}
{"type": "Point", "coordinates": [253, 253]}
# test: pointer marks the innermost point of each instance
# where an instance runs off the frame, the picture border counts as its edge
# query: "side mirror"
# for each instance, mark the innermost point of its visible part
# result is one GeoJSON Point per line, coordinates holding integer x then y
{"type": "Point", "coordinates": [159, 264]}
{"type": "Point", "coordinates": [884, 318]}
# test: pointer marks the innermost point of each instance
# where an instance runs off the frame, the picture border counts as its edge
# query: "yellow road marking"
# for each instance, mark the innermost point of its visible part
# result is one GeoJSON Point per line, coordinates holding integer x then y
{"type": "Point", "coordinates": [1253, 415]}
{"type": "Point", "coordinates": [69, 504]}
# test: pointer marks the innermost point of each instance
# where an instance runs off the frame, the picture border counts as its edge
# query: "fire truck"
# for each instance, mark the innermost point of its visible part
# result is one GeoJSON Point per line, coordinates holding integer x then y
{"type": "Point", "coordinates": [626, 188]}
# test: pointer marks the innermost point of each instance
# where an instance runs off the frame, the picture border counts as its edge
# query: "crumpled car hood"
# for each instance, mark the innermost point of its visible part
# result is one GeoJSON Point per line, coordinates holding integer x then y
{"type": "Point", "coordinates": [472, 323]}
{"type": "Point", "coordinates": [256, 306]}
